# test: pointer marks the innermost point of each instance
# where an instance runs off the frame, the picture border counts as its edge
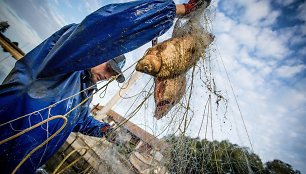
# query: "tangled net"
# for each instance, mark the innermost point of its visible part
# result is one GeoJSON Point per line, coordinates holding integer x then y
{"type": "Point", "coordinates": [191, 128]}
{"type": "Point", "coordinates": [194, 125]}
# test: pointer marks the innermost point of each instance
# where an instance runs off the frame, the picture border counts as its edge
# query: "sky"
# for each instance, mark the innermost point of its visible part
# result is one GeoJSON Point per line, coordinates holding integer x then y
{"type": "Point", "coordinates": [261, 44]}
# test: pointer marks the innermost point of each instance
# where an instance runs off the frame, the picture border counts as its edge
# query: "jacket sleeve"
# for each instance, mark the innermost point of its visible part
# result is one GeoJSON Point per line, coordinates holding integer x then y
{"type": "Point", "coordinates": [110, 31]}
{"type": "Point", "coordinates": [90, 126]}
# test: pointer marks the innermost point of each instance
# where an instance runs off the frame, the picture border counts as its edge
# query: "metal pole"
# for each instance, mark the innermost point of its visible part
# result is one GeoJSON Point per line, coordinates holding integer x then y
{"type": "Point", "coordinates": [6, 44]}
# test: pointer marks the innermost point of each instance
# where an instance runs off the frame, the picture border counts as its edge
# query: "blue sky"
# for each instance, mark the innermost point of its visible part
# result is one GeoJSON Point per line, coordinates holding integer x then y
{"type": "Point", "coordinates": [261, 43]}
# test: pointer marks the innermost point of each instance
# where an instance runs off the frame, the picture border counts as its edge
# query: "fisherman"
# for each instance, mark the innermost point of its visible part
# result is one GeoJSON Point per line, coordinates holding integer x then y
{"type": "Point", "coordinates": [57, 76]}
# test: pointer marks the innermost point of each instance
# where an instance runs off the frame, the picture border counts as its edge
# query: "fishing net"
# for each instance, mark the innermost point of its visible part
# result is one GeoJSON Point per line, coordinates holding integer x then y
{"type": "Point", "coordinates": [195, 131]}
{"type": "Point", "coordinates": [191, 138]}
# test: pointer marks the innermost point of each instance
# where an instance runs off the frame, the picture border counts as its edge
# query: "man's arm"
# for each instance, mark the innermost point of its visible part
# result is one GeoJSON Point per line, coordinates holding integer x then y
{"type": "Point", "coordinates": [108, 32]}
{"type": "Point", "coordinates": [92, 127]}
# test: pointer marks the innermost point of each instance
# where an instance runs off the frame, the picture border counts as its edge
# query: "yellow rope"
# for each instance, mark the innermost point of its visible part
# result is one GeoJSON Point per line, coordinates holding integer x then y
{"type": "Point", "coordinates": [50, 106]}
{"type": "Point", "coordinates": [43, 143]}
{"type": "Point", "coordinates": [28, 129]}
{"type": "Point", "coordinates": [62, 162]}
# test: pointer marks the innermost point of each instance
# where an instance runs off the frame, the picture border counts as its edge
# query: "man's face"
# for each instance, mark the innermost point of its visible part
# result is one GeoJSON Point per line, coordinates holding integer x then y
{"type": "Point", "coordinates": [102, 72]}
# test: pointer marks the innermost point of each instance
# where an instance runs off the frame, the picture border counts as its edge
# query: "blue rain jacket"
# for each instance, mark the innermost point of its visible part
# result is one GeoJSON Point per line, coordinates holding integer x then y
{"type": "Point", "coordinates": [57, 69]}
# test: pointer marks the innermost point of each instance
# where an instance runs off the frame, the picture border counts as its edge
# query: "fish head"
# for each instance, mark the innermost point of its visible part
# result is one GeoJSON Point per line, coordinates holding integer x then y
{"type": "Point", "coordinates": [167, 93]}
{"type": "Point", "coordinates": [149, 64]}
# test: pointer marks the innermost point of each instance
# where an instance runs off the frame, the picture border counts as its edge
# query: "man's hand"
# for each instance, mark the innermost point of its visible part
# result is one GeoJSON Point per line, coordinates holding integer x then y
{"type": "Point", "coordinates": [195, 4]}
{"type": "Point", "coordinates": [105, 129]}
{"type": "Point", "coordinates": [110, 133]}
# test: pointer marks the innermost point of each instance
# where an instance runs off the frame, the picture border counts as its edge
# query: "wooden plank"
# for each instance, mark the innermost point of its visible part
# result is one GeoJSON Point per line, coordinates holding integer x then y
{"type": "Point", "coordinates": [148, 138]}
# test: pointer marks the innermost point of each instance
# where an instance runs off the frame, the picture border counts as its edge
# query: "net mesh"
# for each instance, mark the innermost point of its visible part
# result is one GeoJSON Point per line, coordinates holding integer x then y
{"type": "Point", "coordinates": [189, 132]}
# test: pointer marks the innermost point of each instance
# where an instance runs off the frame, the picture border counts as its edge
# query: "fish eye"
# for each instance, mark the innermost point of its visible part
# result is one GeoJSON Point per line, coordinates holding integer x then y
{"type": "Point", "coordinates": [146, 68]}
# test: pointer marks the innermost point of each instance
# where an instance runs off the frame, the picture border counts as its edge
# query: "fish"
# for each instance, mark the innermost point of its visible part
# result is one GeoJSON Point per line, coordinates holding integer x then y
{"type": "Point", "coordinates": [170, 60]}
{"type": "Point", "coordinates": [174, 56]}
{"type": "Point", "coordinates": [167, 93]}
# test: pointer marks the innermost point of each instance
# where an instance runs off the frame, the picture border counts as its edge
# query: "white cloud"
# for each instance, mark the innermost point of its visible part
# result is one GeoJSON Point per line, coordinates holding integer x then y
{"type": "Point", "coordinates": [294, 100]}
{"type": "Point", "coordinates": [245, 35]}
{"type": "Point", "coordinates": [251, 12]}
{"type": "Point", "coordinates": [223, 23]}
{"type": "Point", "coordinates": [270, 45]}
{"type": "Point", "coordinates": [286, 71]}
{"type": "Point", "coordinates": [271, 18]}
{"type": "Point", "coordinates": [265, 71]}
{"type": "Point", "coordinates": [247, 80]}
{"type": "Point", "coordinates": [230, 7]}
{"type": "Point", "coordinates": [302, 11]}
{"type": "Point", "coordinates": [262, 41]}
{"type": "Point", "coordinates": [302, 51]}
{"type": "Point", "coordinates": [284, 2]}
{"type": "Point", "coordinates": [255, 11]}
{"type": "Point", "coordinates": [251, 61]}
{"type": "Point", "coordinates": [292, 35]}
{"type": "Point", "coordinates": [228, 43]}
{"type": "Point", "coordinates": [56, 16]}
{"type": "Point", "coordinates": [253, 52]}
